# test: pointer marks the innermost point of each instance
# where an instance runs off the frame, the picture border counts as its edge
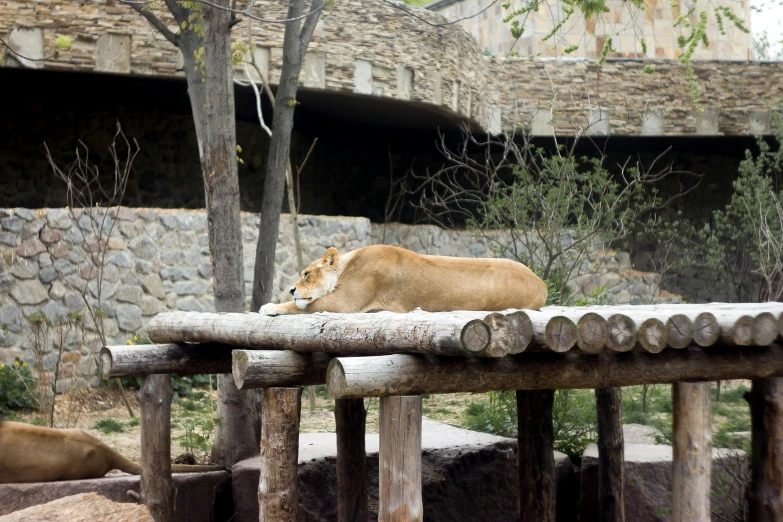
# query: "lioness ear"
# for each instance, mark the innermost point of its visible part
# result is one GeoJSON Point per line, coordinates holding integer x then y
{"type": "Point", "coordinates": [330, 257]}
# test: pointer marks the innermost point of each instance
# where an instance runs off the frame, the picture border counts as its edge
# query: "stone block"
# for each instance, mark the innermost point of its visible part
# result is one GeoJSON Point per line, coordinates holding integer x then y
{"type": "Point", "coordinates": [362, 77]}
{"type": "Point", "coordinates": [707, 122]}
{"type": "Point", "coordinates": [437, 87]}
{"type": "Point", "coordinates": [314, 70]}
{"type": "Point", "coordinates": [30, 248]}
{"type": "Point", "coordinates": [597, 122]}
{"type": "Point", "coordinates": [114, 53]}
{"type": "Point", "coordinates": [653, 123]}
{"type": "Point", "coordinates": [495, 121]}
{"type": "Point", "coordinates": [404, 82]}
{"type": "Point", "coordinates": [261, 60]}
{"type": "Point", "coordinates": [759, 123]}
{"type": "Point", "coordinates": [30, 44]}
{"type": "Point", "coordinates": [12, 224]}
{"type": "Point", "coordinates": [129, 317]}
{"type": "Point", "coordinates": [542, 123]}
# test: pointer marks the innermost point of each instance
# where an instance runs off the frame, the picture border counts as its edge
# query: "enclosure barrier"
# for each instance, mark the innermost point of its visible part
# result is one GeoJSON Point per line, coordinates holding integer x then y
{"type": "Point", "coordinates": [399, 357]}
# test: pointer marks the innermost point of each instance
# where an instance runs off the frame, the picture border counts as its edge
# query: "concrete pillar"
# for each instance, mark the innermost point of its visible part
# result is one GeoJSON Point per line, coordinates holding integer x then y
{"type": "Point", "coordinates": [404, 82]}
{"type": "Point", "coordinates": [469, 98]}
{"type": "Point", "coordinates": [437, 87]}
{"type": "Point", "coordinates": [495, 121]}
{"type": "Point", "coordinates": [542, 123]}
{"type": "Point", "coordinates": [314, 70]}
{"type": "Point", "coordinates": [707, 122]}
{"type": "Point", "coordinates": [598, 122]}
{"type": "Point", "coordinates": [114, 53]}
{"type": "Point", "coordinates": [758, 123]}
{"type": "Point", "coordinates": [29, 43]}
{"type": "Point", "coordinates": [653, 123]}
{"type": "Point", "coordinates": [455, 96]}
{"type": "Point", "coordinates": [362, 77]}
{"type": "Point", "coordinates": [261, 59]}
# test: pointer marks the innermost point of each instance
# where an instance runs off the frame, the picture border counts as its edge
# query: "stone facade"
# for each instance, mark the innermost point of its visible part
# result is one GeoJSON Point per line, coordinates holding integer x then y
{"type": "Point", "coordinates": [369, 48]}
{"type": "Point", "coordinates": [626, 24]}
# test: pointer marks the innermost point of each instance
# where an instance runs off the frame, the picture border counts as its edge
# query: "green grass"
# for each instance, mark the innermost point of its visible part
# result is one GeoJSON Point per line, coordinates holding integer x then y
{"type": "Point", "coordinates": [108, 426]}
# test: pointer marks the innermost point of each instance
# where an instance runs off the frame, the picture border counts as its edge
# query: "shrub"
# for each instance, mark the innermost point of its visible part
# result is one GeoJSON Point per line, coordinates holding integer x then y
{"type": "Point", "coordinates": [16, 387]}
{"type": "Point", "coordinates": [108, 426]}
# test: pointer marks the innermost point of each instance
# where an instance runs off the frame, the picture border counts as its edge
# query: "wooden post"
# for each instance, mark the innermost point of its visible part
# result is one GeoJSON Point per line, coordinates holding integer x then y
{"type": "Point", "coordinates": [157, 492]}
{"type": "Point", "coordinates": [399, 484]}
{"type": "Point", "coordinates": [277, 486]}
{"type": "Point", "coordinates": [692, 452]}
{"type": "Point", "coordinates": [536, 455]}
{"type": "Point", "coordinates": [611, 465]}
{"type": "Point", "coordinates": [765, 494]}
{"type": "Point", "coordinates": [350, 416]}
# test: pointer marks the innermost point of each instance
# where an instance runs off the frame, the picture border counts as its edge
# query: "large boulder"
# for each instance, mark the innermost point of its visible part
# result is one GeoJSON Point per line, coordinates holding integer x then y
{"type": "Point", "coordinates": [648, 483]}
{"type": "Point", "coordinates": [84, 507]}
{"type": "Point", "coordinates": [466, 476]}
{"type": "Point", "coordinates": [198, 496]}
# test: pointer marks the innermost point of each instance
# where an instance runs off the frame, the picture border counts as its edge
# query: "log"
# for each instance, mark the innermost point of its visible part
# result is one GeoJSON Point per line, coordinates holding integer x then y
{"type": "Point", "coordinates": [622, 332]}
{"type": "Point", "coordinates": [765, 329]}
{"type": "Point", "coordinates": [765, 493]}
{"type": "Point", "coordinates": [736, 329]}
{"type": "Point", "coordinates": [591, 329]}
{"type": "Point", "coordinates": [277, 487]}
{"type": "Point", "coordinates": [611, 461]}
{"type": "Point", "coordinates": [353, 377]}
{"type": "Point", "coordinates": [503, 335]}
{"type": "Point", "coordinates": [651, 336]}
{"type": "Point", "coordinates": [523, 331]}
{"type": "Point", "coordinates": [706, 330]}
{"type": "Point", "coordinates": [535, 441]}
{"type": "Point", "coordinates": [399, 483]}
{"type": "Point", "coordinates": [360, 334]}
{"type": "Point", "coordinates": [157, 491]}
{"type": "Point", "coordinates": [269, 369]}
{"type": "Point", "coordinates": [350, 417]}
{"type": "Point", "coordinates": [557, 333]}
{"type": "Point", "coordinates": [592, 333]}
{"type": "Point", "coordinates": [657, 330]}
{"type": "Point", "coordinates": [691, 452]}
{"type": "Point", "coordinates": [180, 359]}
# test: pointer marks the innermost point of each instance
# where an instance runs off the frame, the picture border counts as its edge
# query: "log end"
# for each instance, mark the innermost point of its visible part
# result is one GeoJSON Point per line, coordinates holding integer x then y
{"type": "Point", "coordinates": [106, 362]}
{"type": "Point", "coordinates": [335, 380]}
{"type": "Point", "coordinates": [239, 364]}
{"type": "Point", "coordinates": [523, 328]}
{"type": "Point", "coordinates": [706, 330]}
{"type": "Point", "coordinates": [652, 335]}
{"type": "Point", "coordinates": [592, 333]}
{"type": "Point", "coordinates": [475, 337]}
{"type": "Point", "coordinates": [622, 333]}
{"type": "Point", "coordinates": [742, 332]}
{"type": "Point", "coordinates": [679, 330]}
{"type": "Point", "coordinates": [765, 329]}
{"type": "Point", "coordinates": [561, 334]}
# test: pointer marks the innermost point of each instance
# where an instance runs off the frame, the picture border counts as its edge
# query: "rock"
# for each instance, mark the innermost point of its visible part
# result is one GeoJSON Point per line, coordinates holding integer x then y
{"type": "Point", "coordinates": [8, 238]}
{"type": "Point", "coordinates": [54, 312]}
{"type": "Point", "coordinates": [73, 302]}
{"type": "Point", "coordinates": [12, 317]}
{"type": "Point", "coordinates": [125, 214]}
{"type": "Point", "coordinates": [171, 300]}
{"type": "Point", "coordinates": [205, 270]}
{"type": "Point", "coordinates": [107, 289]}
{"type": "Point", "coordinates": [30, 248]}
{"type": "Point", "coordinates": [467, 482]}
{"type": "Point", "coordinates": [24, 269]}
{"type": "Point", "coordinates": [111, 273]}
{"type": "Point", "coordinates": [83, 507]}
{"type": "Point", "coordinates": [172, 257]}
{"type": "Point", "coordinates": [45, 259]}
{"type": "Point", "coordinates": [58, 218]}
{"type": "Point", "coordinates": [88, 272]}
{"type": "Point", "coordinates": [129, 294]}
{"type": "Point", "coordinates": [151, 306]}
{"type": "Point", "coordinates": [115, 243]}
{"type": "Point", "coordinates": [609, 280]}
{"type": "Point", "coordinates": [47, 275]}
{"type": "Point", "coordinates": [25, 213]}
{"type": "Point", "coordinates": [640, 434]}
{"type": "Point", "coordinates": [50, 235]}
{"type": "Point", "coordinates": [193, 256]}
{"type": "Point", "coordinates": [32, 229]}
{"type": "Point", "coordinates": [153, 286]}
{"type": "Point", "coordinates": [648, 482]}
{"type": "Point", "coordinates": [199, 495]}
{"type": "Point", "coordinates": [639, 289]}
{"type": "Point", "coordinates": [64, 267]}
{"type": "Point", "coordinates": [189, 304]}
{"type": "Point", "coordinates": [197, 287]}
{"type": "Point", "coordinates": [6, 281]}
{"type": "Point", "coordinates": [12, 224]}
{"type": "Point", "coordinates": [143, 247]}
{"type": "Point", "coordinates": [129, 317]}
{"type": "Point", "coordinates": [169, 221]}
{"type": "Point", "coordinates": [59, 250]}
{"type": "Point", "coordinates": [58, 290]}
{"type": "Point", "coordinates": [119, 258]}
{"type": "Point", "coordinates": [30, 292]}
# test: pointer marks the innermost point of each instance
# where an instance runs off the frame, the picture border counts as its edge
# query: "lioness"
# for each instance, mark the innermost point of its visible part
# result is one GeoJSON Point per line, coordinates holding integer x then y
{"type": "Point", "coordinates": [387, 278]}
{"type": "Point", "coordinates": [35, 454]}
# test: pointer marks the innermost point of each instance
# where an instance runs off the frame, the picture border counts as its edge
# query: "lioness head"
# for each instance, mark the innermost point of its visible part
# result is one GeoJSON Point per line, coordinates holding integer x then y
{"type": "Point", "coordinates": [317, 280]}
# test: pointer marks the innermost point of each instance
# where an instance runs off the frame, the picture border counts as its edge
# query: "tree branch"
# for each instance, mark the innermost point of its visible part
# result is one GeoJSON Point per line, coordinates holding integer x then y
{"type": "Point", "coordinates": [310, 22]}
{"type": "Point", "coordinates": [156, 22]}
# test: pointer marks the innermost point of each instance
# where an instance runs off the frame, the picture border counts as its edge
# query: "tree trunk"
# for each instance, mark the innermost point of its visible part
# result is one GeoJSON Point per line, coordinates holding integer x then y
{"type": "Point", "coordinates": [691, 452]}
{"type": "Point", "coordinates": [399, 455]}
{"type": "Point", "coordinates": [350, 417]}
{"type": "Point", "coordinates": [765, 494]}
{"type": "Point", "coordinates": [212, 103]}
{"type": "Point", "coordinates": [157, 492]}
{"type": "Point", "coordinates": [536, 455]}
{"type": "Point", "coordinates": [295, 44]}
{"type": "Point", "coordinates": [611, 463]}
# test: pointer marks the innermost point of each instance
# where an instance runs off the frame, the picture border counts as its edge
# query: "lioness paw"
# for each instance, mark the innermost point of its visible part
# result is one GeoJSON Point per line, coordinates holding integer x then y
{"type": "Point", "coordinates": [268, 309]}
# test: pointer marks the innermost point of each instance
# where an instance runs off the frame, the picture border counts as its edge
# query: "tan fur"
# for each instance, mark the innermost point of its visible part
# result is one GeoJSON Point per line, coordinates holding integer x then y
{"type": "Point", "coordinates": [388, 278]}
{"type": "Point", "coordinates": [34, 454]}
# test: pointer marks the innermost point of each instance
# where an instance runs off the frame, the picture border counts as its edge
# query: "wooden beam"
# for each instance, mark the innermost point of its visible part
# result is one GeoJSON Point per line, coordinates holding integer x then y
{"type": "Point", "coordinates": [277, 487]}
{"type": "Point", "coordinates": [352, 377]}
{"type": "Point", "coordinates": [765, 494]}
{"type": "Point", "coordinates": [399, 483]}
{"type": "Point", "coordinates": [535, 441]}
{"type": "Point", "coordinates": [180, 359]}
{"type": "Point", "coordinates": [691, 452]}
{"type": "Point", "coordinates": [157, 491]}
{"type": "Point", "coordinates": [350, 417]}
{"type": "Point", "coordinates": [274, 368]}
{"type": "Point", "coordinates": [611, 461]}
